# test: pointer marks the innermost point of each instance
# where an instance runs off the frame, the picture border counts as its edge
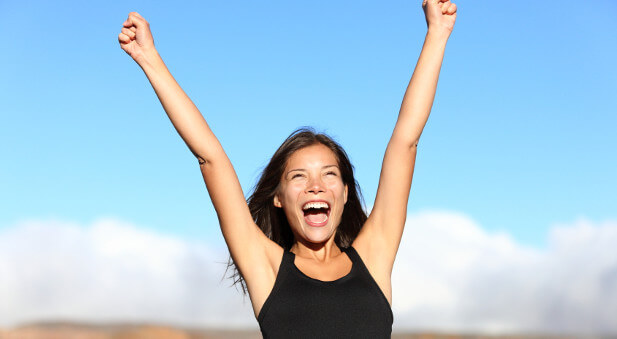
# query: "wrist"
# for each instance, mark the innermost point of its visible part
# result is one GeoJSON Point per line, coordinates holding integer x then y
{"type": "Point", "coordinates": [148, 58]}
{"type": "Point", "coordinates": [438, 32]}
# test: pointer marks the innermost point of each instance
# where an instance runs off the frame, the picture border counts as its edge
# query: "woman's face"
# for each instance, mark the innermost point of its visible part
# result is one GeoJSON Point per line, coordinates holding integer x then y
{"type": "Point", "coordinates": [312, 193]}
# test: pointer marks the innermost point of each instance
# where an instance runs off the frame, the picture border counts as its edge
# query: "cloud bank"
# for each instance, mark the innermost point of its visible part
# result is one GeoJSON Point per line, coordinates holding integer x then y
{"type": "Point", "coordinates": [450, 275]}
{"type": "Point", "coordinates": [111, 271]}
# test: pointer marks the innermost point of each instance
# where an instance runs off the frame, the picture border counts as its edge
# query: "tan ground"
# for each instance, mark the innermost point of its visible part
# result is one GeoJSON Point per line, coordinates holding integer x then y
{"type": "Point", "coordinates": [77, 331]}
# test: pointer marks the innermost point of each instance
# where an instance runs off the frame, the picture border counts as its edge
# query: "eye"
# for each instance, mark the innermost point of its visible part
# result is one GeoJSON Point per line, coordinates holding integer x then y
{"type": "Point", "coordinates": [296, 175]}
{"type": "Point", "coordinates": [331, 173]}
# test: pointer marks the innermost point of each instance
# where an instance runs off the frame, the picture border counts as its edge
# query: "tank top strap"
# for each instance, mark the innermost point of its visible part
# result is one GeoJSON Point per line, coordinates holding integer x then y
{"type": "Point", "coordinates": [353, 255]}
{"type": "Point", "coordinates": [287, 264]}
{"type": "Point", "coordinates": [288, 260]}
{"type": "Point", "coordinates": [359, 264]}
{"type": "Point", "coordinates": [285, 267]}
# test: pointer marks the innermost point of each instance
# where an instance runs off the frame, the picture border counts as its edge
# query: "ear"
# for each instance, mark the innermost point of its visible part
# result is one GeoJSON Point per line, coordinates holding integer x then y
{"type": "Point", "coordinates": [346, 193]}
{"type": "Point", "coordinates": [277, 201]}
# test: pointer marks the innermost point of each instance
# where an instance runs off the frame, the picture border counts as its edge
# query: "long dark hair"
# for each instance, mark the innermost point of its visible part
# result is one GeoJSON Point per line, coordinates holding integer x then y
{"type": "Point", "coordinates": [272, 220]}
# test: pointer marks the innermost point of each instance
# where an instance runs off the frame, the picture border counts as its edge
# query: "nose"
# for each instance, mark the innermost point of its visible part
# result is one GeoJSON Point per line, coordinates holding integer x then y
{"type": "Point", "coordinates": [315, 185]}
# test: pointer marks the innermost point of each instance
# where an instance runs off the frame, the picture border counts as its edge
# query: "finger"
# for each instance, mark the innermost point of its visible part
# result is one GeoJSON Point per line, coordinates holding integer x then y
{"type": "Point", "coordinates": [123, 38]}
{"type": "Point", "coordinates": [444, 7]}
{"type": "Point", "coordinates": [129, 25]}
{"type": "Point", "coordinates": [452, 9]}
{"type": "Point", "coordinates": [138, 15]}
{"type": "Point", "coordinates": [128, 33]}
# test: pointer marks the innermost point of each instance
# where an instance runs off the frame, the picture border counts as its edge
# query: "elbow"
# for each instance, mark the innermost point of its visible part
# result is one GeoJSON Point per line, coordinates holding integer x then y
{"type": "Point", "coordinates": [412, 144]}
{"type": "Point", "coordinates": [201, 160]}
{"type": "Point", "coordinates": [403, 139]}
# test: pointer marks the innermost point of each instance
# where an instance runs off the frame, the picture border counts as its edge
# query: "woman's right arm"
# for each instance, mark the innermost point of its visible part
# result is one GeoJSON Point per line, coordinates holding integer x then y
{"type": "Point", "coordinates": [136, 40]}
{"type": "Point", "coordinates": [237, 225]}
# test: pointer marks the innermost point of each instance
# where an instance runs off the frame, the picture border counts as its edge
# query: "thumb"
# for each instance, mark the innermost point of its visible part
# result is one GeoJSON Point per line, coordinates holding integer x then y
{"type": "Point", "coordinates": [431, 2]}
{"type": "Point", "coordinates": [136, 20]}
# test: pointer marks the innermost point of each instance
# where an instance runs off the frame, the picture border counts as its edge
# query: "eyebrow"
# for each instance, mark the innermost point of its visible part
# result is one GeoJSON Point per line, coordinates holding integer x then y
{"type": "Point", "coordinates": [304, 170]}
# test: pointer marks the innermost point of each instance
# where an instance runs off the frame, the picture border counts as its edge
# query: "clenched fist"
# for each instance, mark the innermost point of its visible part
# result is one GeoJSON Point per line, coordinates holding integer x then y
{"type": "Point", "coordinates": [136, 39]}
{"type": "Point", "coordinates": [440, 14]}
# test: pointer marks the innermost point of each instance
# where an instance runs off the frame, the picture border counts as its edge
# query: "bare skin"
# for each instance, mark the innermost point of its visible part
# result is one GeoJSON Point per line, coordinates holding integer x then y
{"type": "Point", "coordinates": [317, 256]}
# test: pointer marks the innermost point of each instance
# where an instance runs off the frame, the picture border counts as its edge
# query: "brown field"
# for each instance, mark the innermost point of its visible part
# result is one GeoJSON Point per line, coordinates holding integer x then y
{"type": "Point", "coordinates": [86, 331]}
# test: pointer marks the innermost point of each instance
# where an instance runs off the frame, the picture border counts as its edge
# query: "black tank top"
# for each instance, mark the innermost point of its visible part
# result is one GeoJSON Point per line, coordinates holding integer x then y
{"type": "Point", "coordinates": [302, 307]}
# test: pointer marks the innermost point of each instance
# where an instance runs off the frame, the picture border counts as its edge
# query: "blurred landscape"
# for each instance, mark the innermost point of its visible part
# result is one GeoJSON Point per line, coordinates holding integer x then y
{"type": "Point", "coordinates": [151, 331]}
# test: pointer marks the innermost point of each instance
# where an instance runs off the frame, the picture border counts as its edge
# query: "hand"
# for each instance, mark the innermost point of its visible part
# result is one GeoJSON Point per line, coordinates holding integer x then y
{"type": "Point", "coordinates": [440, 14]}
{"type": "Point", "coordinates": [136, 39]}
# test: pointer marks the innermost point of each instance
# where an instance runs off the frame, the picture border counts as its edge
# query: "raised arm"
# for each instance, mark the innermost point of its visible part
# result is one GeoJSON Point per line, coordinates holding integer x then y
{"type": "Point", "coordinates": [244, 239]}
{"type": "Point", "coordinates": [380, 237]}
{"type": "Point", "coordinates": [136, 40]}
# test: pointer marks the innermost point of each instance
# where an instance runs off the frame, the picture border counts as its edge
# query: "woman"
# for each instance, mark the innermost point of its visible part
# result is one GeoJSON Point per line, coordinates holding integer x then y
{"type": "Point", "coordinates": [313, 263]}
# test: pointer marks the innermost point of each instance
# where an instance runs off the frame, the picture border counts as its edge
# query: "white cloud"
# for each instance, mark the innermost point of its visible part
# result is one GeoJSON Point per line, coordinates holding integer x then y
{"type": "Point", "coordinates": [450, 274]}
{"type": "Point", "coordinates": [113, 271]}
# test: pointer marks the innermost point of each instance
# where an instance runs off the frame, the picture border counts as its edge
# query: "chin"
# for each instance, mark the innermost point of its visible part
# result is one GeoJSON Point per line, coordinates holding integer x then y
{"type": "Point", "coordinates": [318, 236]}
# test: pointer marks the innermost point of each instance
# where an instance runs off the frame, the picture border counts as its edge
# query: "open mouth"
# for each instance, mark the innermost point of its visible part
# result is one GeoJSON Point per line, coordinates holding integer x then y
{"type": "Point", "coordinates": [316, 213]}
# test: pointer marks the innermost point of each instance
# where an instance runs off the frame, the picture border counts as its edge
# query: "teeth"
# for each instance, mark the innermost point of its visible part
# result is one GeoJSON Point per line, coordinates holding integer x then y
{"type": "Point", "coordinates": [315, 205]}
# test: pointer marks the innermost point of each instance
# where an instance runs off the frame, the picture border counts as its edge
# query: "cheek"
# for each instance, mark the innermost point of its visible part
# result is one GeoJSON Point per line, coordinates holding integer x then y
{"type": "Point", "coordinates": [337, 187]}
{"type": "Point", "coordinates": [292, 191]}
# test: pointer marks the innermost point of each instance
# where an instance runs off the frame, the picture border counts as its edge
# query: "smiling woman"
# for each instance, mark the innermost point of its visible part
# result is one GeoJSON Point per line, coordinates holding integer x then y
{"type": "Point", "coordinates": [308, 167]}
{"type": "Point", "coordinates": [313, 263]}
{"type": "Point", "coordinates": [312, 195]}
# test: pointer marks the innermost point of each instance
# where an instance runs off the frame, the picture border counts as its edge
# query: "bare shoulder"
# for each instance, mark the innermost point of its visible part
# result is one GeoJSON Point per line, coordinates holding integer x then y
{"type": "Point", "coordinates": [374, 252]}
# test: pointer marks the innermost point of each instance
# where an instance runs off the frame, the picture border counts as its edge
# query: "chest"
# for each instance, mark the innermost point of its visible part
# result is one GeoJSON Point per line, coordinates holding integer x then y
{"type": "Point", "coordinates": [324, 272]}
{"type": "Point", "coordinates": [350, 306]}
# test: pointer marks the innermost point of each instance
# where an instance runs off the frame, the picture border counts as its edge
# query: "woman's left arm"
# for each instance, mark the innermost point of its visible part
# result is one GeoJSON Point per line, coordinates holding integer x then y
{"type": "Point", "coordinates": [384, 227]}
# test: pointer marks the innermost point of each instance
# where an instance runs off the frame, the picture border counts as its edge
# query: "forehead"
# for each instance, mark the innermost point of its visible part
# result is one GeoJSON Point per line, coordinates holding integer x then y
{"type": "Point", "coordinates": [314, 155]}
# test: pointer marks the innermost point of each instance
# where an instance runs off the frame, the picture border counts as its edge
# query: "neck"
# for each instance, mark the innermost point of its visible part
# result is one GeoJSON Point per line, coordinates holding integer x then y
{"type": "Point", "coordinates": [319, 251]}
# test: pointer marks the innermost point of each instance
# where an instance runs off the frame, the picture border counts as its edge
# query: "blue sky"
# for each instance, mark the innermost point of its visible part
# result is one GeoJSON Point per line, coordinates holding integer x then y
{"type": "Point", "coordinates": [521, 136]}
